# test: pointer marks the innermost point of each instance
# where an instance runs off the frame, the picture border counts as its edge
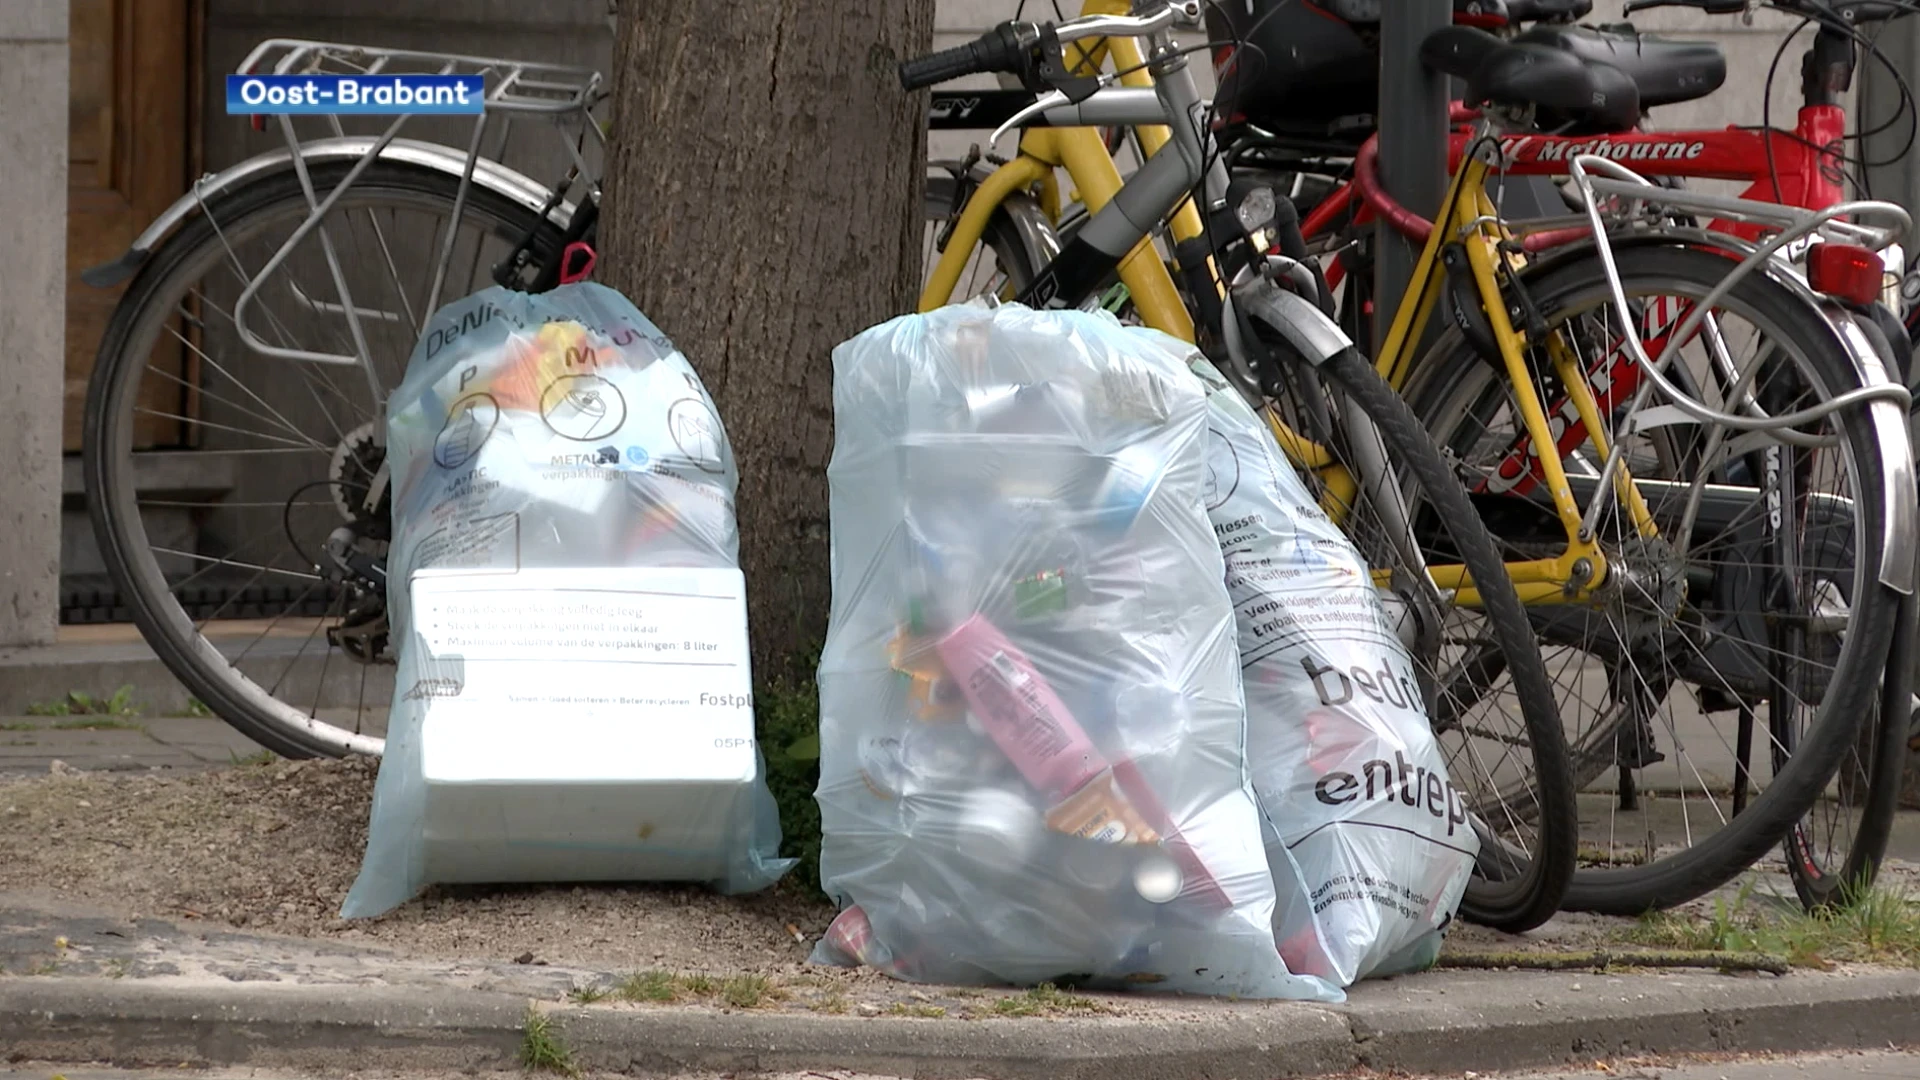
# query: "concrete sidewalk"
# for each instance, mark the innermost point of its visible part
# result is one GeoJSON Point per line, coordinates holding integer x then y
{"type": "Point", "coordinates": [92, 987]}
{"type": "Point", "coordinates": [31, 744]}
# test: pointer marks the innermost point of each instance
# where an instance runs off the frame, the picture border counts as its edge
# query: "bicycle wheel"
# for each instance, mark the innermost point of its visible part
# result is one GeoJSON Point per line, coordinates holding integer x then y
{"type": "Point", "coordinates": [217, 476]}
{"type": "Point", "coordinates": [1754, 616]}
{"type": "Point", "coordinates": [1490, 701]}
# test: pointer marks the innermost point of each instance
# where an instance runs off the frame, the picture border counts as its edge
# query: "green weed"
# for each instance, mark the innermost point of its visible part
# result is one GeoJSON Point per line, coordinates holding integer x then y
{"type": "Point", "coordinates": [1881, 926]}
{"type": "Point", "coordinates": [1045, 1000]}
{"type": "Point", "coordinates": [79, 703]}
{"type": "Point", "coordinates": [96, 723]}
{"type": "Point", "coordinates": [658, 986]}
{"type": "Point", "coordinates": [196, 708]}
{"type": "Point", "coordinates": [748, 991]}
{"type": "Point", "coordinates": [541, 1048]}
{"type": "Point", "coordinates": [925, 1012]}
{"type": "Point", "coordinates": [834, 1003]}
{"type": "Point", "coordinates": [787, 709]}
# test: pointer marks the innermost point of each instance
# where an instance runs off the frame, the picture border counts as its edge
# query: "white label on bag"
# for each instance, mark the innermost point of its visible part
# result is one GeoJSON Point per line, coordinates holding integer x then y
{"type": "Point", "coordinates": [584, 675]}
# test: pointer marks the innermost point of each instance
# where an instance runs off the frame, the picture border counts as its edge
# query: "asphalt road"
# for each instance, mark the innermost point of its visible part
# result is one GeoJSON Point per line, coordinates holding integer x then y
{"type": "Point", "coordinates": [1860, 1066]}
{"type": "Point", "coordinates": [1878, 1066]}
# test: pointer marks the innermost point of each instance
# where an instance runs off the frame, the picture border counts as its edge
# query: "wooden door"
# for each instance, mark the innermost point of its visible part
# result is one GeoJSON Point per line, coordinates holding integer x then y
{"type": "Point", "coordinates": [131, 124]}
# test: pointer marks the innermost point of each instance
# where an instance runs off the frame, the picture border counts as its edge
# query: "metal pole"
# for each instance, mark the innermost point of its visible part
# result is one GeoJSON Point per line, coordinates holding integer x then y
{"type": "Point", "coordinates": [1898, 180]}
{"type": "Point", "coordinates": [1413, 141]}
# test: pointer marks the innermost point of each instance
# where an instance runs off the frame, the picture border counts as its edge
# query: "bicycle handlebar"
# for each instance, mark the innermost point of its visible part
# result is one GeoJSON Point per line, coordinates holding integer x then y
{"type": "Point", "coordinates": [1009, 47]}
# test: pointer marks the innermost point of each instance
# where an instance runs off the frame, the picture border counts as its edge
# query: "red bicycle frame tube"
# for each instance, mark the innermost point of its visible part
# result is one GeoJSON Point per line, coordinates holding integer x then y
{"type": "Point", "coordinates": [1807, 162]}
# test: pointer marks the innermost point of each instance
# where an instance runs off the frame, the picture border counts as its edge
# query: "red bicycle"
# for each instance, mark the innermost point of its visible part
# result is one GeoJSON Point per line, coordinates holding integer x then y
{"type": "Point", "coordinates": [1670, 700]}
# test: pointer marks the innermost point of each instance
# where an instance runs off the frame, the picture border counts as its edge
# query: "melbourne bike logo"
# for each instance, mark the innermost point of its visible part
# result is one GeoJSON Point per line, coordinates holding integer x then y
{"type": "Point", "coordinates": [1529, 148]}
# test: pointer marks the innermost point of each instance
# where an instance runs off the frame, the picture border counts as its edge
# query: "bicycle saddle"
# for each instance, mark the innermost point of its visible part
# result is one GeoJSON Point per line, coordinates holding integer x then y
{"type": "Point", "coordinates": [1572, 95]}
{"type": "Point", "coordinates": [1665, 71]}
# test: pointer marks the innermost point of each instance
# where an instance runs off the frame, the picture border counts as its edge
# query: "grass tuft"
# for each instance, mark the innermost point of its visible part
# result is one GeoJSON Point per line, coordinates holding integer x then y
{"type": "Point", "coordinates": [657, 986]}
{"type": "Point", "coordinates": [748, 991]}
{"type": "Point", "coordinates": [925, 1012]}
{"type": "Point", "coordinates": [79, 703]}
{"type": "Point", "coordinates": [787, 708]}
{"type": "Point", "coordinates": [1046, 1000]}
{"type": "Point", "coordinates": [196, 709]}
{"type": "Point", "coordinates": [96, 723]}
{"type": "Point", "coordinates": [664, 987]}
{"type": "Point", "coordinates": [541, 1049]}
{"type": "Point", "coordinates": [1881, 926]}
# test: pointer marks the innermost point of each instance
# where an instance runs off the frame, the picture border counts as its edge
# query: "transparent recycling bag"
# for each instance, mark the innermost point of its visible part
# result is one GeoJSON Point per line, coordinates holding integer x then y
{"type": "Point", "coordinates": [573, 700]}
{"type": "Point", "coordinates": [1369, 842]}
{"type": "Point", "coordinates": [1031, 762]}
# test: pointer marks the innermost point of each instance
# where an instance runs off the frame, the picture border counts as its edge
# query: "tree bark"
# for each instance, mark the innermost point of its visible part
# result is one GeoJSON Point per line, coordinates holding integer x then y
{"type": "Point", "coordinates": [762, 205]}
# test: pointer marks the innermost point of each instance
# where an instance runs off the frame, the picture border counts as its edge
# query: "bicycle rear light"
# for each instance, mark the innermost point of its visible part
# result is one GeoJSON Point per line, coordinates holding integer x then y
{"type": "Point", "coordinates": [1846, 272]}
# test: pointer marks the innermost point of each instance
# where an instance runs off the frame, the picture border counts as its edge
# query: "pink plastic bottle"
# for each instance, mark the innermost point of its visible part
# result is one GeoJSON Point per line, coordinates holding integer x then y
{"type": "Point", "coordinates": [1020, 712]}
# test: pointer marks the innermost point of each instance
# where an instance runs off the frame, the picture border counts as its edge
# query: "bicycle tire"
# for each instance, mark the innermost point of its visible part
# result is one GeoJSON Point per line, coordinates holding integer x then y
{"type": "Point", "coordinates": [1525, 902]}
{"type": "Point", "coordinates": [1560, 285]}
{"type": "Point", "coordinates": [112, 395]}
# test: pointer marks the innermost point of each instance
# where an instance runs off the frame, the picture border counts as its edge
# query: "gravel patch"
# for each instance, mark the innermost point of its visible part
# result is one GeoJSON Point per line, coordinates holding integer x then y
{"type": "Point", "coordinates": [274, 847]}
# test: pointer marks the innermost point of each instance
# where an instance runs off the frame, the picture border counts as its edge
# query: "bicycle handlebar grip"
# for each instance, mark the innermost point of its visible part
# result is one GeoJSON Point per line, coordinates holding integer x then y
{"type": "Point", "coordinates": [1711, 7]}
{"type": "Point", "coordinates": [946, 64]}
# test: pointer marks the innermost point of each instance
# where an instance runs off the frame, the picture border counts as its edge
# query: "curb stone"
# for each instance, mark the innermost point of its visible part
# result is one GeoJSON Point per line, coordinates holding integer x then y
{"type": "Point", "coordinates": [1448, 1023]}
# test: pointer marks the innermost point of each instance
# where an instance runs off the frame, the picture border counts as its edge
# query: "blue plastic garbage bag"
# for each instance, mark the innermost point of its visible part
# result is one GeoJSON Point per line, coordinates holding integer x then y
{"type": "Point", "coordinates": [573, 697]}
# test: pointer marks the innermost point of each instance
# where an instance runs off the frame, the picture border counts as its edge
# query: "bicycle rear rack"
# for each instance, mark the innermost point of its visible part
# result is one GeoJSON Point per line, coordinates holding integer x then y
{"type": "Point", "coordinates": [560, 95]}
{"type": "Point", "coordinates": [512, 85]}
{"type": "Point", "coordinates": [1886, 399]}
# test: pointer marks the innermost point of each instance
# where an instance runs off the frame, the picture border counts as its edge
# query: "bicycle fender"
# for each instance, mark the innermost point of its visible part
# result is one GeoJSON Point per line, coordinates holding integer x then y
{"type": "Point", "coordinates": [1873, 359]}
{"type": "Point", "coordinates": [503, 181]}
{"type": "Point", "coordinates": [1308, 329]}
{"type": "Point", "coordinates": [1037, 234]}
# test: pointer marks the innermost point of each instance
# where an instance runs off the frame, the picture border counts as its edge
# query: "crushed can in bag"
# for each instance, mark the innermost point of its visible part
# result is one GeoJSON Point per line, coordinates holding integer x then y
{"type": "Point", "coordinates": [1369, 841]}
{"type": "Point", "coordinates": [574, 697]}
{"type": "Point", "coordinates": [1032, 763]}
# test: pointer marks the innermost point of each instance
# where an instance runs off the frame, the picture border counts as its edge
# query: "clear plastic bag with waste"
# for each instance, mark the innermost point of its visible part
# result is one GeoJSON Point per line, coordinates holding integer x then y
{"type": "Point", "coordinates": [1368, 841]}
{"type": "Point", "coordinates": [1032, 763]}
{"type": "Point", "coordinates": [573, 696]}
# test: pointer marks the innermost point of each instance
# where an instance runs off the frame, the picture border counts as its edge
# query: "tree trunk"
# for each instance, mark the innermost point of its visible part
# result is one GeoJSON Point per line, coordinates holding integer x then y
{"type": "Point", "coordinates": [762, 206]}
